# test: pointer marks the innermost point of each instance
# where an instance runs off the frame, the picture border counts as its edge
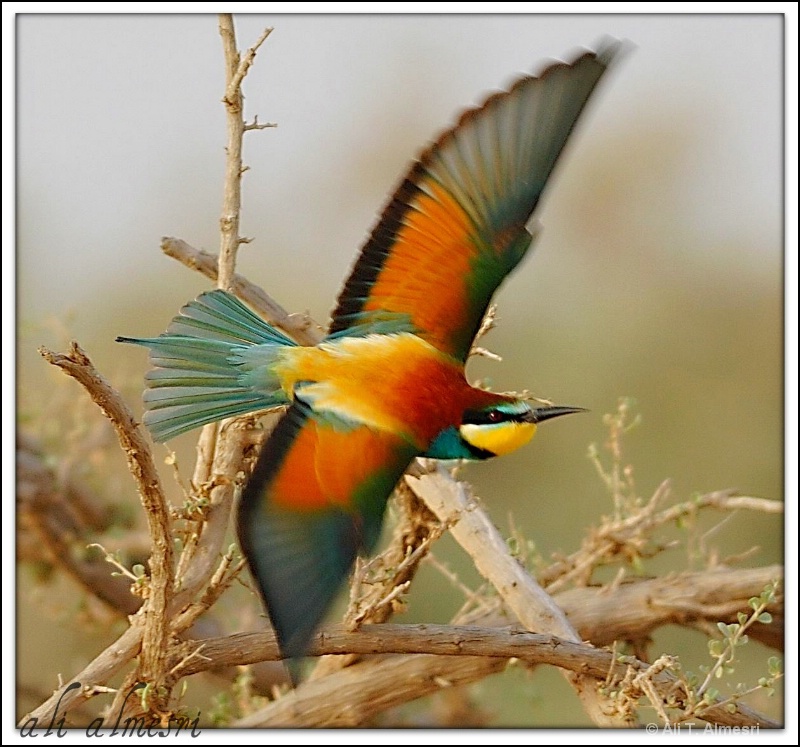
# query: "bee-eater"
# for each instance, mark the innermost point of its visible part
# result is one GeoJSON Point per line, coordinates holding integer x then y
{"type": "Point", "coordinates": [387, 384]}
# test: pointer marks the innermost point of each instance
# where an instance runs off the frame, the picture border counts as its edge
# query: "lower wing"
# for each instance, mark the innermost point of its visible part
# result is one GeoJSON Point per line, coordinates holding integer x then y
{"type": "Point", "coordinates": [315, 500]}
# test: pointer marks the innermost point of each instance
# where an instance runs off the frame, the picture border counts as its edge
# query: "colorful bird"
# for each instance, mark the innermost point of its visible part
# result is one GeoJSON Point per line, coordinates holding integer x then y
{"type": "Point", "coordinates": [387, 384]}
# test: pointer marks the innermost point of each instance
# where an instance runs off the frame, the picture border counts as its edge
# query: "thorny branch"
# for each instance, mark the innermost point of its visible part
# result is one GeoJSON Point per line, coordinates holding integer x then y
{"type": "Point", "coordinates": [140, 463]}
{"type": "Point", "coordinates": [236, 68]}
{"type": "Point", "coordinates": [219, 464]}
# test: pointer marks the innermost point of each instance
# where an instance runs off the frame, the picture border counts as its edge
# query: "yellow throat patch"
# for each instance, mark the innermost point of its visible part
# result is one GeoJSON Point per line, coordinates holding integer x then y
{"type": "Point", "coordinates": [500, 438]}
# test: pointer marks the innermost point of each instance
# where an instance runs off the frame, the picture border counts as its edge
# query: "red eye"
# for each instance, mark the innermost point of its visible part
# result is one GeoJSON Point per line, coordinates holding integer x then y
{"type": "Point", "coordinates": [495, 416]}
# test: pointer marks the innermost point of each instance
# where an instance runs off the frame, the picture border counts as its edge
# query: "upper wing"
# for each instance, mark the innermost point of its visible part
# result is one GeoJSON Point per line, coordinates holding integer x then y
{"type": "Point", "coordinates": [315, 500]}
{"type": "Point", "coordinates": [456, 226]}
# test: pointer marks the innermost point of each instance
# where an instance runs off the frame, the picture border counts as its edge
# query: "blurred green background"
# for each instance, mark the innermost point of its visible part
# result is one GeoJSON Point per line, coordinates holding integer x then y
{"type": "Point", "coordinates": [658, 275]}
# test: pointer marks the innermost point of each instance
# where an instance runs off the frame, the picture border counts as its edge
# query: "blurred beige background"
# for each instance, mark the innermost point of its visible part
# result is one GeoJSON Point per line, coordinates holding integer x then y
{"type": "Point", "coordinates": [658, 275]}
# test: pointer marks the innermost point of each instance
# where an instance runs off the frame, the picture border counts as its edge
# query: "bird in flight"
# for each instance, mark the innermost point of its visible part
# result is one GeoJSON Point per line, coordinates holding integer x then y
{"type": "Point", "coordinates": [387, 384]}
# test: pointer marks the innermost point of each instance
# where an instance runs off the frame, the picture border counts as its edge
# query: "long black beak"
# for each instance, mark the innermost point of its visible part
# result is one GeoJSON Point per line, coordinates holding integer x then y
{"type": "Point", "coordinates": [540, 414]}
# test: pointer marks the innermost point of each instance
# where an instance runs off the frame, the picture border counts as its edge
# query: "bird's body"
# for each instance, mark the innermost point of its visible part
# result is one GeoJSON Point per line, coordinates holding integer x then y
{"type": "Point", "coordinates": [387, 384]}
{"type": "Point", "coordinates": [396, 384]}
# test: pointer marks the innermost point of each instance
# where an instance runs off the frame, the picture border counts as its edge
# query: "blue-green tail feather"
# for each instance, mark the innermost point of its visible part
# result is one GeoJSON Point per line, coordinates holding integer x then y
{"type": "Point", "coordinates": [214, 361]}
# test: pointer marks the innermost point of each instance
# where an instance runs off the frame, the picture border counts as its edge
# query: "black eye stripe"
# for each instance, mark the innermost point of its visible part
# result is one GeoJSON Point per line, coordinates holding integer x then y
{"type": "Point", "coordinates": [491, 417]}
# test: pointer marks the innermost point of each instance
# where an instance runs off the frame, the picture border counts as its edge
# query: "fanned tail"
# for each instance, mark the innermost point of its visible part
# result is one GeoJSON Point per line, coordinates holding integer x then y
{"type": "Point", "coordinates": [214, 361]}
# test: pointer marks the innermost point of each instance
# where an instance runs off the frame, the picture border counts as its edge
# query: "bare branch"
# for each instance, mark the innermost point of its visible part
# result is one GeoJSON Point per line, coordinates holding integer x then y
{"type": "Point", "coordinates": [256, 125]}
{"type": "Point", "coordinates": [235, 71]}
{"type": "Point", "coordinates": [600, 615]}
{"type": "Point", "coordinates": [140, 463]}
{"type": "Point", "coordinates": [237, 68]}
{"type": "Point", "coordinates": [351, 696]}
{"type": "Point", "coordinates": [229, 472]}
{"type": "Point", "coordinates": [534, 608]}
{"type": "Point", "coordinates": [634, 610]}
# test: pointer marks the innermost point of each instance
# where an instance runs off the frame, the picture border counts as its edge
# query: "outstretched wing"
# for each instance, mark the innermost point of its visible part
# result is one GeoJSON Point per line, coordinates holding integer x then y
{"type": "Point", "coordinates": [315, 500]}
{"type": "Point", "coordinates": [456, 226]}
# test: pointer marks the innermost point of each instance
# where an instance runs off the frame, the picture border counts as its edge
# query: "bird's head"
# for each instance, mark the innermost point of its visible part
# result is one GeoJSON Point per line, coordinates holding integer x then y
{"type": "Point", "coordinates": [493, 429]}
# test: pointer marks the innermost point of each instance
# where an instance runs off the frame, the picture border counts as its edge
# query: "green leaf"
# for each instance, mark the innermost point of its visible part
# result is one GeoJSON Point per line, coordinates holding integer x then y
{"type": "Point", "coordinates": [765, 618]}
{"type": "Point", "coordinates": [754, 602]}
{"type": "Point", "coordinates": [742, 617]}
{"type": "Point", "coordinates": [774, 666]}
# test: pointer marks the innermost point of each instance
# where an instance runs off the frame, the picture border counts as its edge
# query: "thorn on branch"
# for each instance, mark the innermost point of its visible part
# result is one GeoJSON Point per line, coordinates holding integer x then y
{"type": "Point", "coordinates": [256, 125]}
{"type": "Point", "coordinates": [233, 93]}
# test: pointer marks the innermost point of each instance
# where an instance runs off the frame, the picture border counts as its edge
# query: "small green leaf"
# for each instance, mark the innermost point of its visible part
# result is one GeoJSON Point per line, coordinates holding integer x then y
{"type": "Point", "coordinates": [774, 666]}
{"type": "Point", "coordinates": [754, 602]}
{"type": "Point", "coordinates": [742, 617]}
{"type": "Point", "coordinates": [715, 647]}
{"type": "Point", "coordinates": [765, 618]}
{"type": "Point", "coordinates": [730, 707]}
{"type": "Point", "coordinates": [138, 570]}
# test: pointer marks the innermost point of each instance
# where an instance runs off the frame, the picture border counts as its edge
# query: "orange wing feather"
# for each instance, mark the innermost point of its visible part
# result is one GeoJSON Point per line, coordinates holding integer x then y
{"type": "Point", "coordinates": [456, 226]}
{"type": "Point", "coordinates": [315, 500]}
{"type": "Point", "coordinates": [328, 466]}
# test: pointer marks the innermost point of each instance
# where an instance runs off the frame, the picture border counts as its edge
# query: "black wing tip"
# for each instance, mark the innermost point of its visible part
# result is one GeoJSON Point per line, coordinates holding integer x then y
{"type": "Point", "coordinates": [607, 50]}
{"type": "Point", "coordinates": [611, 50]}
